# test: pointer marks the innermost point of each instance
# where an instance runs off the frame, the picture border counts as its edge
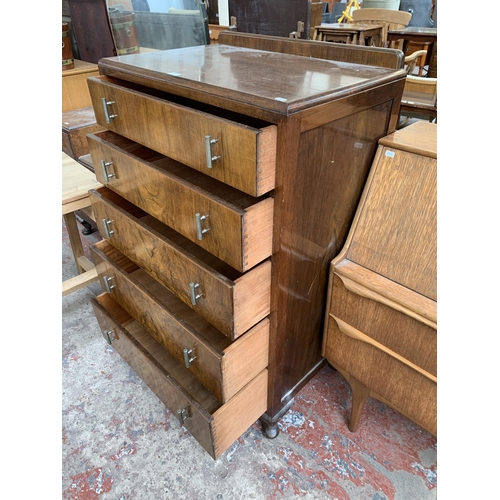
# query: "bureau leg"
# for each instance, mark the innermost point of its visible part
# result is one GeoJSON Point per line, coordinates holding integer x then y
{"type": "Point", "coordinates": [270, 430]}
{"type": "Point", "coordinates": [359, 395]}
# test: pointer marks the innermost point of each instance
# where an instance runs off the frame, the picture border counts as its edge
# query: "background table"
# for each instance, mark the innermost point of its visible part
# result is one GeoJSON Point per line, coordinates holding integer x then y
{"type": "Point", "coordinates": [76, 182]}
{"type": "Point", "coordinates": [353, 33]}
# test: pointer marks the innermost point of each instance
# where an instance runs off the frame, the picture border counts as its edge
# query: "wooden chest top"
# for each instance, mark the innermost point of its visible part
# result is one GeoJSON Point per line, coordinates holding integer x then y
{"type": "Point", "coordinates": [276, 82]}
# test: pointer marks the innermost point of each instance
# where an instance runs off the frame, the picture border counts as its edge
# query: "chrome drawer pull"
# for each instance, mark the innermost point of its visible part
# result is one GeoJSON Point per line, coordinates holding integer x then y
{"type": "Point", "coordinates": [189, 356]}
{"type": "Point", "coordinates": [183, 415]}
{"type": "Point", "coordinates": [104, 166]}
{"type": "Point", "coordinates": [107, 285]}
{"type": "Point", "coordinates": [194, 296]}
{"type": "Point", "coordinates": [108, 337]}
{"type": "Point", "coordinates": [108, 232]}
{"type": "Point", "coordinates": [208, 150]}
{"type": "Point", "coordinates": [105, 104]}
{"type": "Point", "coordinates": [199, 229]}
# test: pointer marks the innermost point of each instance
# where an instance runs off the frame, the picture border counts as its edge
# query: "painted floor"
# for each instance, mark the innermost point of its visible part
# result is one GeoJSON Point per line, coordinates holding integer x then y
{"type": "Point", "coordinates": [120, 442]}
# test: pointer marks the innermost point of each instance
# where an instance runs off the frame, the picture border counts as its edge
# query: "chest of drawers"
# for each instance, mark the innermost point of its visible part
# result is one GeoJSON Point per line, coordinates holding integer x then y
{"type": "Point", "coordinates": [381, 326]}
{"type": "Point", "coordinates": [231, 176]}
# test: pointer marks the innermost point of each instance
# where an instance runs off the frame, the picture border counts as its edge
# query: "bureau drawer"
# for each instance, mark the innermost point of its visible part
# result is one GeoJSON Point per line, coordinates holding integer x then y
{"type": "Point", "coordinates": [235, 153]}
{"type": "Point", "coordinates": [232, 225]}
{"type": "Point", "coordinates": [222, 366]}
{"type": "Point", "coordinates": [231, 301]}
{"type": "Point", "coordinates": [213, 425]}
{"type": "Point", "coordinates": [395, 329]}
{"type": "Point", "coordinates": [410, 389]}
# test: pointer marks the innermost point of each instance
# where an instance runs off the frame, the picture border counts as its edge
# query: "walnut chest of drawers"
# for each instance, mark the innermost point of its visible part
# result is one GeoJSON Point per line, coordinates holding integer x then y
{"type": "Point", "coordinates": [231, 178]}
{"type": "Point", "coordinates": [381, 325]}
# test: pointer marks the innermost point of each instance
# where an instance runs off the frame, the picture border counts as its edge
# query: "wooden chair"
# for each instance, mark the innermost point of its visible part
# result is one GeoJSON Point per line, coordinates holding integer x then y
{"type": "Point", "coordinates": [415, 62]}
{"type": "Point", "coordinates": [389, 19]}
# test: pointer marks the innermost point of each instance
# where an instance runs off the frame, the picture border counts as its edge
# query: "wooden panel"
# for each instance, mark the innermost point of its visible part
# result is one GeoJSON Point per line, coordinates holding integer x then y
{"type": "Point", "coordinates": [240, 226]}
{"type": "Point", "coordinates": [407, 389]}
{"type": "Point", "coordinates": [371, 56]}
{"type": "Point", "coordinates": [270, 17]}
{"type": "Point", "coordinates": [395, 235]}
{"type": "Point", "coordinates": [156, 124]}
{"type": "Point", "coordinates": [175, 261]}
{"type": "Point", "coordinates": [177, 327]}
{"type": "Point", "coordinates": [91, 28]}
{"type": "Point", "coordinates": [237, 415]}
{"type": "Point", "coordinates": [246, 357]}
{"type": "Point", "coordinates": [75, 92]}
{"type": "Point", "coordinates": [328, 164]}
{"type": "Point", "coordinates": [214, 426]}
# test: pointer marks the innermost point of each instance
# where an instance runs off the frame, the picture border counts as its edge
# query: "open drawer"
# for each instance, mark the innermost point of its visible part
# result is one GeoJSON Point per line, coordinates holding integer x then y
{"type": "Point", "coordinates": [231, 301]}
{"type": "Point", "coordinates": [223, 367]}
{"type": "Point", "coordinates": [235, 227]}
{"type": "Point", "coordinates": [213, 425]}
{"type": "Point", "coordinates": [239, 151]}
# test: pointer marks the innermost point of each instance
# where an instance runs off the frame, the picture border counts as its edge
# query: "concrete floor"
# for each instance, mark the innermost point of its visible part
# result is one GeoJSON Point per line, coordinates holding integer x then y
{"type": "Point", "coordinates": [120, 442]}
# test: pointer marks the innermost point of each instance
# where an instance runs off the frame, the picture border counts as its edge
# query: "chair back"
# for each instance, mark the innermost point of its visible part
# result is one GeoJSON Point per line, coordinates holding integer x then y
{"type": "Point", "coordinates": [389, 19]}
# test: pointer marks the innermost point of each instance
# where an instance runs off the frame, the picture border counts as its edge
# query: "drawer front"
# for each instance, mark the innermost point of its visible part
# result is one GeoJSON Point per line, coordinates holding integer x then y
{"type": "Point", "coordinates": [221, 366]}
{"type": "Point", "coordinates": [399, 332]}
{"type": "Point", "coordinates": [235, 227]}
{"type": "Point", "coordinates": [213, 425]}
{"type": "Point", "coordinates": [241, 156]}
{"type": "Point", "coordinates": [232, 306]}
{"type": "Point", "coordinates": [412, 392]}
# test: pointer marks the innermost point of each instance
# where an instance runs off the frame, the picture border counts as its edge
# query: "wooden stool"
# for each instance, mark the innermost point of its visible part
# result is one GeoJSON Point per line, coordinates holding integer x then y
{"type": "Point", "coordinates": [76, 182]}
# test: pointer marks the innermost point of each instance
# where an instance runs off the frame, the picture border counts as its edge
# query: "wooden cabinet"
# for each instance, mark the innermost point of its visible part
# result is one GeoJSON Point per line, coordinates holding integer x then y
{"type": "Point", "coordinates": [231, 176]}
{"type": "Point", "coordinates": [78, 118]}
{"type": "Point", "coordinates": [381, 324]}
{"type": "Point", "coordinates": [75, 93]}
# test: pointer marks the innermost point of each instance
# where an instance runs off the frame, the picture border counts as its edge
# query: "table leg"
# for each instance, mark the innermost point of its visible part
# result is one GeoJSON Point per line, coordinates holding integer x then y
{"type": "Point", "coordinates": [74, 238]}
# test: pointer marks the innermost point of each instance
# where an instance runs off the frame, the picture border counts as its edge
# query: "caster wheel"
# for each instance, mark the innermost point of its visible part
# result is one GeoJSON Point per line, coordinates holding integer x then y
{"type": "Point", "coordinates": [270, 430]}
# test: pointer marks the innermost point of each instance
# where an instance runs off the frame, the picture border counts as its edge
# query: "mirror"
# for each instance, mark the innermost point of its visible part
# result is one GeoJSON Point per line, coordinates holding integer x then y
{"type": "Point", "coordinates": [148, 25]}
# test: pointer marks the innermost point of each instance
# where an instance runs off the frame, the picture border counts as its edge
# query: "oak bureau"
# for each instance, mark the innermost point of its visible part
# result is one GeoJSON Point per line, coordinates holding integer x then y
{"type": "Point", "coordinates": [231, 177]}
{"type": "Point", "coordinates": [381, 324]}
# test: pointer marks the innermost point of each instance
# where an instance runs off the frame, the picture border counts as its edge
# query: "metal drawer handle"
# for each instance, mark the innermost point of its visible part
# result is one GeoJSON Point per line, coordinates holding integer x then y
{"type": "Point", "coordinates": [189, 356]}
{"type": "Point", "coordinates": [194, 296]}
{"type": "Point", "coordinates": [199, 229]}
{"type": "Point", "coordinates": [208, 150]}
{"type": "Point", "coordinates": [105, 104]}
{"type": "Point", "coordinates": [104, 165]}
{"type": "Point", "coordinates": [108, 232]}
{"type": "Point", "coordinates": [107, 285]}
{"type": "Point", "coordinates": [108, 336]}
{"type": "Point", "coordinates": [183, 415]}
